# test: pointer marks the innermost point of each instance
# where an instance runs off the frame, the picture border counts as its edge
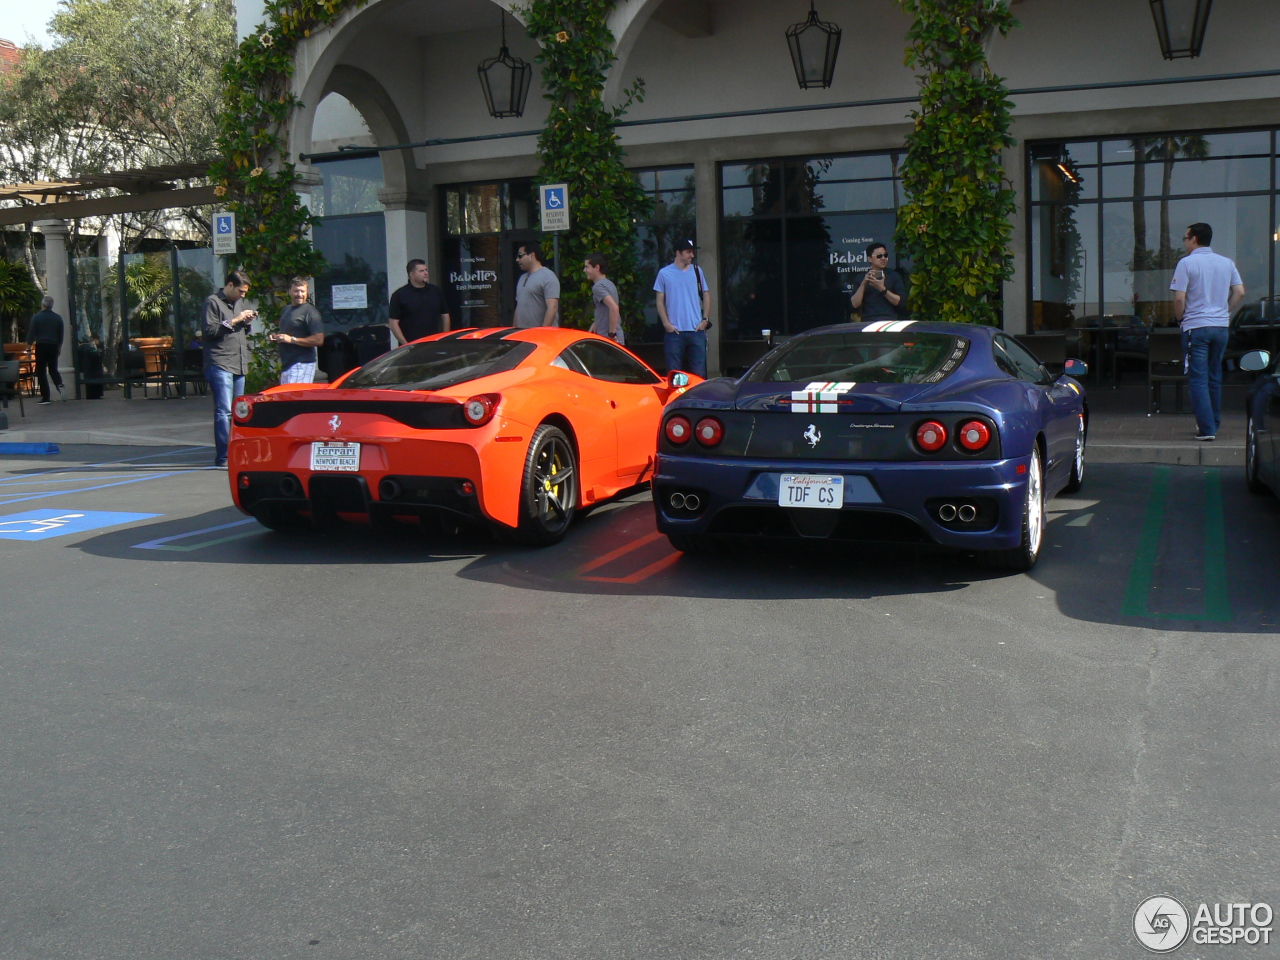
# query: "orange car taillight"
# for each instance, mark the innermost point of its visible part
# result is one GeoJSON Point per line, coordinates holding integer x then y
{"type": "Point", "coordinates": [480, 410]}
{"type": "Point", "coordinates": [242, 409]}
{"type": "Point", "coordinates": [678, 430]}
{"type": "Point", "coordinates": [709, 431]}
{"type": "Point", "coordinates": [974, 436]}
{"type": "Point", "coordinates": [931, 436]}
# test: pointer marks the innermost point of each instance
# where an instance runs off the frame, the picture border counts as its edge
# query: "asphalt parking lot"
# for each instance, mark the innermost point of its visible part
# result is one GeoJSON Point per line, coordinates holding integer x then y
{"type": "Point", "coordinates": [223, 742]}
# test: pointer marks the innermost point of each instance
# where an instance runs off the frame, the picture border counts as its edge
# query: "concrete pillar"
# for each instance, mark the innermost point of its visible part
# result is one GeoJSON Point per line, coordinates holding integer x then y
{"type": "Point", "coordinates": [306, 181]}
{"type": "Point", "coordinates": [708, 214]}
{"type": "Point", "coordinates": [57, 276]}
{"type": "Point", "coordinates": [406, 216]}
{"type": "Point", "coordinates": [1016, 320]}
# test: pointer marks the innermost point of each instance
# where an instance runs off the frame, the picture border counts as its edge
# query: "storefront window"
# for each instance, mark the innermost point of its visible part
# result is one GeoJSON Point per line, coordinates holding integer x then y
{"type": "Point", "coordinates": [794, 234]}
{"type": "Point", "coordinates": [352, 236]}
{"type": "Point", "coordinates": [483, 225]}
{"type": "Point", "coordinates": [1107, 220]}
{"type": "Point", "coordinates": [673, 217]}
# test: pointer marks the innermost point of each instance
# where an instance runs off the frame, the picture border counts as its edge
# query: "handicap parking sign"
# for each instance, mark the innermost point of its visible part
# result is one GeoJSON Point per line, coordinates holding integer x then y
{"type": "Point", "coordinates": [554, 200]}
{"type": "Point", "coordinates": [224, 234]}
{"type": "Point", "coordinates": [44, 524]}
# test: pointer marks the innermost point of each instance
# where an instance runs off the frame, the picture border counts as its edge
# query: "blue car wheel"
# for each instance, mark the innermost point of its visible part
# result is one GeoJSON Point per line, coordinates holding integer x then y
{"type": "Point", "coordinates": [1024, 556]}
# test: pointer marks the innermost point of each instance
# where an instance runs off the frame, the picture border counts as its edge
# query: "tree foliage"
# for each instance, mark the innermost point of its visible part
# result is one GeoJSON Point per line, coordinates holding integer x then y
{"type": "Point", "coordinates": [956, 226]}
{"type": "Point", "coordinates": [18, 297]}
{"type": "Point", "coordinates": [579, 146]}
{"type": "Point", "coordinates": [253, 171]}
{"type": "Point", "coordinates": [125, 84]}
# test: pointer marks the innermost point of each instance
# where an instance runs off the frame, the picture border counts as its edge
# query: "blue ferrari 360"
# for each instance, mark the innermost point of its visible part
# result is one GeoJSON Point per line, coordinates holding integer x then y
{"type": "Point", "coordinates": [900, 431]}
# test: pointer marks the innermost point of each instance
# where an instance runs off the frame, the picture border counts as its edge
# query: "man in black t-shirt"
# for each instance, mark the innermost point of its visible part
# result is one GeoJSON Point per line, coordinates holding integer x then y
{"type": "Point", "coordinates": [882, 294]}
{"type": "Point", "coordinates": [418, 308]}
{"type": "Point", "coordinates": [301, 331]}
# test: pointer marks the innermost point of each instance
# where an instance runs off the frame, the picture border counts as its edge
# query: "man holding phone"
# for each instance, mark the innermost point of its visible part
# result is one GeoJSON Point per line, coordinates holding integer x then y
{"type": "Point", "coordinates": [301, 331]}
{"type": "Point", "coordinates": [881, 294]}
{"type": "Point", "coordinates": [226, 354]}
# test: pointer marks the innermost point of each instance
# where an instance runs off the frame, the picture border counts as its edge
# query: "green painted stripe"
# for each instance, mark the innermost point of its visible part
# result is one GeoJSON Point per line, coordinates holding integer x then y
{"type": "Point", "coordinates": [1144, 558]}
{"type": "Point", "coordinates": [1217, 598]}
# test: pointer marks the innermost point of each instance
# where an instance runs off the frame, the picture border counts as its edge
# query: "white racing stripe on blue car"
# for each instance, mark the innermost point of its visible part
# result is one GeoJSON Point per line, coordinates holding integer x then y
{"type": "Point", "coordinates": [887, 326]}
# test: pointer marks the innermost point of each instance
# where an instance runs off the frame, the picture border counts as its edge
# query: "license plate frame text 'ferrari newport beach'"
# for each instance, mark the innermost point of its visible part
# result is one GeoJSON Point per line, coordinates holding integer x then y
{"type": "Point", "coordinates": [336, 457]}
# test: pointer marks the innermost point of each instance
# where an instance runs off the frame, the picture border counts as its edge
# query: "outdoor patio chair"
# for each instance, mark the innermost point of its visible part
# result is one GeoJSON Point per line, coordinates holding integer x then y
{"type": "Point", "coordinates": [1164, 365]}
{"type": "Point", "coordinates": [10, 374]}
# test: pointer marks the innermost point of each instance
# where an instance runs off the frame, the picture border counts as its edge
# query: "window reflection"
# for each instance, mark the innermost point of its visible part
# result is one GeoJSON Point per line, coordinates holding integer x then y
{"type": "Point", "coordinates": [673, 217]}
{"type": "Point", "coordinates": [794, 238]}
{"type": "Point", "coordinates": [1115, 258]}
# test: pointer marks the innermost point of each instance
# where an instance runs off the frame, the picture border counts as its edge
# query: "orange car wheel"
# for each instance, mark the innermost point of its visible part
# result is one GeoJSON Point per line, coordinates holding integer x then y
{"type": "Point", "coordinates": [549, 492]}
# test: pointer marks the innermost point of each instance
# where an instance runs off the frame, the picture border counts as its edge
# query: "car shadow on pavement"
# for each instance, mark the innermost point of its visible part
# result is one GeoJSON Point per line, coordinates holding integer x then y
{"type": "Point", "coordinates": [1183, 549]}
{"type": "Point", "coordinates": [613, 549]}
{"type": "Point", "coordinates": [228, 536]}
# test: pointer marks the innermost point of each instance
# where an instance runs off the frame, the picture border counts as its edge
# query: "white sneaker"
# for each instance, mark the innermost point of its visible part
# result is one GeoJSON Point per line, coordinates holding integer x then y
{"type": "Point", "coordinates": [62, 394]}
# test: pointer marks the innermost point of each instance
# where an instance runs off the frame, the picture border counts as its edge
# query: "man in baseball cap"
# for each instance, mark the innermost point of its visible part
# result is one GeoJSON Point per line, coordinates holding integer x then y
{"type": "Point", "coordinates": [684, 307]}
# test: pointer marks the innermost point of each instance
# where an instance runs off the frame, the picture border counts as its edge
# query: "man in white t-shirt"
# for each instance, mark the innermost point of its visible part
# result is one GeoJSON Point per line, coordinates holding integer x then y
{"type": "Point", "coordinates": [1206, 288]}
{"type": "Point", "coordinates": [684, 307]}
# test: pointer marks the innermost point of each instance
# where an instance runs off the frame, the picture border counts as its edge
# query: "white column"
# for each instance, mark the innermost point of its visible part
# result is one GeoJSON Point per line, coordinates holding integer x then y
{"type": "Point", "coordinates": [704, 178]}
{"type": "Point", "coordinates": [405, 217]}
{"type": "Point", "coordinates": [56, 277]}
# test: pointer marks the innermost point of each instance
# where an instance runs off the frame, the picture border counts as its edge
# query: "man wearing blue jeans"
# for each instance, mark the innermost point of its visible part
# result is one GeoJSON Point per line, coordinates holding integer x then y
{"type": "Point", "coordinates": [684, 307]}
{"type": "Point", "coordinates": [1206, 288]}
{"type": "Point", "coordinates": [226, 354]}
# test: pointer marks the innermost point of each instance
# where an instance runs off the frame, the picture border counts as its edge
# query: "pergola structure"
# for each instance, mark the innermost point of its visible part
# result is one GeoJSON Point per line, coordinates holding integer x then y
{"type": "Point", "coordinates": [49, 204]}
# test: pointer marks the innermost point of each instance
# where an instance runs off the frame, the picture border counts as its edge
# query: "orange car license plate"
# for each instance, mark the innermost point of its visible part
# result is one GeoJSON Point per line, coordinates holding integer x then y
{"type": "Point", "coordinates": [344, 457]}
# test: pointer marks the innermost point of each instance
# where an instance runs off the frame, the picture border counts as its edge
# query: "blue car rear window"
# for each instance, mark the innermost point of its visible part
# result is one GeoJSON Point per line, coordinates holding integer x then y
{"type": "Point", "coordinates": [859, 357]}
{"type": "Point", "coordinates": [437, 364]}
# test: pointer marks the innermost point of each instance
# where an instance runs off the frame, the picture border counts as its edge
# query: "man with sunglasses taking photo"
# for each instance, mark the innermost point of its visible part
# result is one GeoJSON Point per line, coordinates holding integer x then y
{"type": "Point", "coordinates": [881, 294]}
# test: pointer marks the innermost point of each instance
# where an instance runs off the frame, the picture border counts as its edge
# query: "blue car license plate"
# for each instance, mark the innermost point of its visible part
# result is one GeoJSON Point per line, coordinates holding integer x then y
{"type": "Point", "coordinates": [810, 490]}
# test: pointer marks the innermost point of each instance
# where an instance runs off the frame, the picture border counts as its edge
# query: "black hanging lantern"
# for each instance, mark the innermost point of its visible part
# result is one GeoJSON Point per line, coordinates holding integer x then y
{"type": "Point", "coordinates": [1180, 25]}
{"type": "Point", "coordinates": [814, 45]}
{"type": "Point", "coordinates": [505, 80]}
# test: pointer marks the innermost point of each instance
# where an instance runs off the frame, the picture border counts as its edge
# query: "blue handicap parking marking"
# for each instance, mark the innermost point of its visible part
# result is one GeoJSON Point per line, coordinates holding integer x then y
{"type": "Point", "coordinates": [43, 524]}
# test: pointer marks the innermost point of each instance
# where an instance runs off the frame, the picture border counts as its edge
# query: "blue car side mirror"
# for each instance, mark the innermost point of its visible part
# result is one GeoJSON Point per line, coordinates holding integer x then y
{"type": "Point", "coordinates": [1075, 368]}
{"type": "Point", "coordinates": [1255, 361]}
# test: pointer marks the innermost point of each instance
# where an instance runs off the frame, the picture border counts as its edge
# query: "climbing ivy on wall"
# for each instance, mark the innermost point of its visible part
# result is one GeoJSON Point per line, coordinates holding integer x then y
{"type": "Point", "coordinates": [956, 227]}
{"type": "Point", "coordinates": [251, 172]}
{"type": "Point", "coordinates": [579, 146]}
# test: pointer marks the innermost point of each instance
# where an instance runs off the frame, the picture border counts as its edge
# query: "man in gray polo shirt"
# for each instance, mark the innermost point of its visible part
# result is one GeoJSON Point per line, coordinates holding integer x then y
{"type": "Point", "coordinates": [226, 354]}
{"type": "Point", "coordinates": [1206, 288]}
{"type": "Point", "coordinates": [537, 290]}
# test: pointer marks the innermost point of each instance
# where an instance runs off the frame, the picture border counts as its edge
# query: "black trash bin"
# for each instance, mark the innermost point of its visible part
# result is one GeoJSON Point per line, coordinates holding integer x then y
{"type": "Point", "coordinates": [91, 372]}
{"type": "Point", "coordinates": [371, 341]}
{"type": "Point", "coordinates": [337, 356]}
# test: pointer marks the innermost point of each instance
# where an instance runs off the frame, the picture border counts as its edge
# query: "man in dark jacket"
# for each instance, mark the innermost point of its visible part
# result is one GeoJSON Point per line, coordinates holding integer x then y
{"type": "Point", "coordinates": [45, 333]}
{"type": "Point", "coordinates": [226, 354]}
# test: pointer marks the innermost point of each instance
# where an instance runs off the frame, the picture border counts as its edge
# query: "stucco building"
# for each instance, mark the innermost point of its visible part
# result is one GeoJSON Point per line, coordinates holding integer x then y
{"type": "Point", "coordinates": [725, 134]}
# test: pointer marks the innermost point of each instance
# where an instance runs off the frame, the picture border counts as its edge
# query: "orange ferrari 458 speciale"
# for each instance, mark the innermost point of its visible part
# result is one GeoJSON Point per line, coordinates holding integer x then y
{"type": "Point", "coordinates": [516, 428]}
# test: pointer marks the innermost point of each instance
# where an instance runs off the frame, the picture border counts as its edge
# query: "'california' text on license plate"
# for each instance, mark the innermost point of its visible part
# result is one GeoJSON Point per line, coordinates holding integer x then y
{"type": "Point", "coordinates": [809, 490]}
{"type": "Point", "coordinates": [326, 455]}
